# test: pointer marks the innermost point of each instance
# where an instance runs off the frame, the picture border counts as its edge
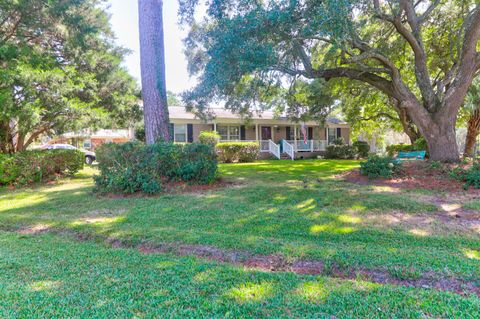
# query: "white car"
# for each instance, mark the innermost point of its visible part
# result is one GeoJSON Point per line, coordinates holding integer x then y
{"type": "Point", "coordinates": [89, 156]}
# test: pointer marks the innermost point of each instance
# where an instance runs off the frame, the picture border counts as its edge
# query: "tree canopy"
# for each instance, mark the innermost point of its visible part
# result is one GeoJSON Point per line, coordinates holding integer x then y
{"type": "Point", "coordinates": [60, 71]}
{"type": "Point", "coordinates": [422, 55]}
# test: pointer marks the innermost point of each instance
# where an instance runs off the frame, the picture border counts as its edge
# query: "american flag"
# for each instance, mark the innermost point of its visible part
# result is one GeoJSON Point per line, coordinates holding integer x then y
{"type": "Point", "coordinates": [304, 132]}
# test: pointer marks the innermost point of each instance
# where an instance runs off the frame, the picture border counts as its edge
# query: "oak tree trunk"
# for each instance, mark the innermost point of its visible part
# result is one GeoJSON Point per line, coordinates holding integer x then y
{"type": "Point", "coordinates": [472, 133]}
{"type": "Point", "coordinates": [152, 55]}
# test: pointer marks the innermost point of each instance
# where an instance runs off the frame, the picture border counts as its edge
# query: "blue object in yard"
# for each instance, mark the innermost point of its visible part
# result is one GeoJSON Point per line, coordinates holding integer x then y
{"type": "Point", "coordinates": [410, 156]}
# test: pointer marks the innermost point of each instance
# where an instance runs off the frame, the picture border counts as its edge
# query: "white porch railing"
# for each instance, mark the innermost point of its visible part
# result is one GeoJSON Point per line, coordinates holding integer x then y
{"type": "Point", "coordinates": [310, 146]}
{"type": "Point", "coordinates": [288, 149]}
{"type": "Point", "coordinates": [274, 149]}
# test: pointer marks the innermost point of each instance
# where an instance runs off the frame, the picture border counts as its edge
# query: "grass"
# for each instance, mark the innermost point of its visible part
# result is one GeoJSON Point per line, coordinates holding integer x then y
{"type": "Point", "coordinates": [49, 276]}
{"type": "Point", "coordinates": [297, 209]}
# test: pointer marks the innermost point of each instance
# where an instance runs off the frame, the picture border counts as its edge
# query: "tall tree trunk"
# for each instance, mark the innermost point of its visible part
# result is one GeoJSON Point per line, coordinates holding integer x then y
{"type": "Point", "coordinates": [438, 129]}
{"type": "Point", "coordinates": [472, 133]}
{"type": "Point", "coordinates": [152, 54]}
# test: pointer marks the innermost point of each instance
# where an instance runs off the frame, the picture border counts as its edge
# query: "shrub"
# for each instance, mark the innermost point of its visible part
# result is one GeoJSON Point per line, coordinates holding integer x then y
{"type": "Point", "coordinates": [39, 165]}
{"type": "Point", "coordinates": [229, 152]}
{"type": "Point", "coordinates": [211, 138]}
{"type": "Point", "coordinates": [134, 167]}
{"type": "Point", "coordinates": [379, 166]}
{"type": "Point", "coordinates": [470, 176]}
{"type": "Point", "coordinates": [361, 148]}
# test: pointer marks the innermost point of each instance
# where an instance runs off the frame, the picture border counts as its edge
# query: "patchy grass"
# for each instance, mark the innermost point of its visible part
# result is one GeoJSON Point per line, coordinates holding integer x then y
{"type": "Point", "coordinates": [297, 209]}
{"type": "Point", "coordinates": [48, 276]}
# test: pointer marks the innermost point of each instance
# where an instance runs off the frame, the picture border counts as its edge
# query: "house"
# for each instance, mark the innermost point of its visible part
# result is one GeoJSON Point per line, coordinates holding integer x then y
{"type": "Point", "coordinates": [278, 136]}
{"type": "Point", "coordinates": [90, 139]}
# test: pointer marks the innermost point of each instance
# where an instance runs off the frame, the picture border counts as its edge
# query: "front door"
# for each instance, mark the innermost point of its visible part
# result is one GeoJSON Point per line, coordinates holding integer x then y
{"type": "Point", "coordinates": [266, 133]}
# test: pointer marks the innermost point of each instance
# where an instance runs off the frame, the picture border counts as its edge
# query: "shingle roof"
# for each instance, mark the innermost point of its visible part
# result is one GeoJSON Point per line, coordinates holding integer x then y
{"type": "Point", "coordinates": [179, 113]}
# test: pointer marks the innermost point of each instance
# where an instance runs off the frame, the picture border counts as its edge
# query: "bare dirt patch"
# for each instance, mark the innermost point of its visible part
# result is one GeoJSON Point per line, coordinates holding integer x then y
{"type": "Point", "coordinates": [180, 188]}
{"type": "Point", "coordinates": [34, 230]}
{"type": "Point", "coordinates": [414, 175]}
{"type": "Point", "coordinates": [278, 263]}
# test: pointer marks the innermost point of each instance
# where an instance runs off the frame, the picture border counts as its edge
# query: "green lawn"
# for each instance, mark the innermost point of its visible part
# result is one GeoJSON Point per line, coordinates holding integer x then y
{"type": "Point", "coordinates": [296, 209]}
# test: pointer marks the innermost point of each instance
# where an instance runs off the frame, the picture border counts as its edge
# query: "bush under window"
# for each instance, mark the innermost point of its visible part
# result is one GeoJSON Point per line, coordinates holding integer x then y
{"type": "Point", "coordinates": [134, 167]}
{"type": "Point", "coordinates": [36, 166]}
{"type": "Point", "coordinates": [211, 138]}
{"type": "Point", "coordinates": [243, 152]}
{"type": "Point", "coordinates": [340, 150]}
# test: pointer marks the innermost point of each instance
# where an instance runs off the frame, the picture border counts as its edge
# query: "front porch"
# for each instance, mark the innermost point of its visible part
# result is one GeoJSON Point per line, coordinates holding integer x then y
{"type": "Point", "coordinates": [281, 141]}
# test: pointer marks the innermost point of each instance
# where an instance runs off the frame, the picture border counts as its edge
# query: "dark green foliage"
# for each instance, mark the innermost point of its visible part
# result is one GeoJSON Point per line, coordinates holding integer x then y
{"type": "Point", "coordinates": [378, 166]}
{"type": "Point", "coordinates": [361, 148]}
{"type": "Point", "coordinates": [243, 152]}
{"type": "Point", "coordinates": [209, 137]}
{"type": "Point", "coordinates": [61, 71]}
{"type": "Point", "coordinates": [470, 176]}
{"type": "Point", "coordinates": [29, 167]}
{"type": "Point", "coordinates": [134, 167]}
{"type": "Point", "coordinates": [420, 144]}
{"type": "Point", "coordinates": [340, 150]}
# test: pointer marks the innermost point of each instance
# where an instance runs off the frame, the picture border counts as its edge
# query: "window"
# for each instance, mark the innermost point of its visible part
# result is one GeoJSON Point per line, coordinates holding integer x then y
{"type": "Point", "coordinates": [332, 135]}
{"type": "Point", "coordinates": [180, 133]}
{"type": "Point", "coordinates": [223, 132]}
{"type": "Point", "coordinates": [229, 133]}
{"type": "Point", "coordinates": [234, 132]}
{"type": "Point", "coordinates": [87, 144]}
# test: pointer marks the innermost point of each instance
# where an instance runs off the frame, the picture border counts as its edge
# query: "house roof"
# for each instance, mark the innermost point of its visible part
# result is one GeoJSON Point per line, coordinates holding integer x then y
{"type": "Point", "coordinates": [179, 113]}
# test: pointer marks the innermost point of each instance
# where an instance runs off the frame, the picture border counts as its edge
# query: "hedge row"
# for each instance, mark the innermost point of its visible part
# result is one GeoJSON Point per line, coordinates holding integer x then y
{"type": "Point", "coordinates": [419, 145]}
{"type": "Point", "coordinates": [242, 152]}
{"type": "Point", "coordinates": [38, 166]}
{"type": "Point", "coordinates": [134, 167]}
{"type": "Point", "coordinates": [340, 150]}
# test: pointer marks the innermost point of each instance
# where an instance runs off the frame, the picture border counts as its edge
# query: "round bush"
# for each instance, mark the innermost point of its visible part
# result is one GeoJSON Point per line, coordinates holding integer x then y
{"type": "Point", "coordinates": [211, 138]}
{"type": "Point", "coordinates": [379, 166]}
{"type": "Point", "coordinates": [134, 167]}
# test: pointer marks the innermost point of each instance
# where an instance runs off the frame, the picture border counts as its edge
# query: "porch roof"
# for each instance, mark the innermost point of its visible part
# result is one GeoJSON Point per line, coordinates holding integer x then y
{"type": "Point", "coordinates": [220, 115]}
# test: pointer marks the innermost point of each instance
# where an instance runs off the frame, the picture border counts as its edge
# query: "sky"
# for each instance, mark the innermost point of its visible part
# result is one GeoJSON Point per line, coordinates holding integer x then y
{"type": "Point", "coordinates": [124, 20]}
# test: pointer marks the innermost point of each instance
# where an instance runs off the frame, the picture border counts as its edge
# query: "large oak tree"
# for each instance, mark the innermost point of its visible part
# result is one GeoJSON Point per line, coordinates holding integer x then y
{"type": "Point", "coordinates": [422, 55]}
{"type": "Point", "coordinates": [60, 71]}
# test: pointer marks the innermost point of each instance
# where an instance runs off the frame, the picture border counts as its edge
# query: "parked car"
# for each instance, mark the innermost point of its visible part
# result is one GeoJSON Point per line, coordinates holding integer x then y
{"type": "Point", "coordinates": [89, 156]}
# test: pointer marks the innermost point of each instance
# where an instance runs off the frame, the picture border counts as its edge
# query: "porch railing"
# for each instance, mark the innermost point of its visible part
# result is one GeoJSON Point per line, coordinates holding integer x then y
{"type": "Point", "coordinates": [310, 146]}
{"type": "Point", "coordinates": [274, 149]}
{"type": "Point", "coordinates": [288, 149]}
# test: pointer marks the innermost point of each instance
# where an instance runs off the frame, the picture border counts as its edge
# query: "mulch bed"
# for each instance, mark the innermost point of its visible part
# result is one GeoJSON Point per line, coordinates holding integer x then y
{"type": "Point", "coordinates": [414, 175]}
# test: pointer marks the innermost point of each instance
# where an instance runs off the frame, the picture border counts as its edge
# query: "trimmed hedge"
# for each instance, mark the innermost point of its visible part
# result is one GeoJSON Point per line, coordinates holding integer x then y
{"type": "Point", "coordinates": [38, 166]}
{"type": "Point", "coordinates": [242, 152]}
{"type": "Point", "coordinates": [379, 166]}
{"type": "Point", "coordinates": [134, 167]}
{"type": "Point", "coordinates": [340, 150]}
{"type": "Point", "coordinates": [211, 138]}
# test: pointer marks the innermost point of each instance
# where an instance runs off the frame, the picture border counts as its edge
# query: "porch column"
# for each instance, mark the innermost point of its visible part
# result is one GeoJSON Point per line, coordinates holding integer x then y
{"type": "Point", "coordinates": [214, 126]}
{"type": "Point", "coordinates": [295, 137]}
{"type": "Point", "coordinates": [256, 132]}
{"type": "Point", "coordinates": [273, 132]}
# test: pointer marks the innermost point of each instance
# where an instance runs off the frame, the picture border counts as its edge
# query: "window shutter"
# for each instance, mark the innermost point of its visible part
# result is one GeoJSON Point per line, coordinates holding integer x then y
{"type": "Point", "coordinates": [213, 127]}
{"type": "Point", "coordinates": [339, 132]}
{"type": "Point", "coordinates": [310, 133]}
{"type": "Point", "coordinates": [172, 132]}
{"type": "Point", "coordinates": [287, 134]}
{"type": "Point", "coordinates": [190, 133]}
{"type": "Point", "coordinates": [242, 133]}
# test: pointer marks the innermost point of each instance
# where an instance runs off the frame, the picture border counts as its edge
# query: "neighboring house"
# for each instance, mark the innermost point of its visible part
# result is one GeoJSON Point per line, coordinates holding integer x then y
{"type": "Point", "coordinates": [277, 136]}
{"type": "Point", "coordinates": [90, 140]}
